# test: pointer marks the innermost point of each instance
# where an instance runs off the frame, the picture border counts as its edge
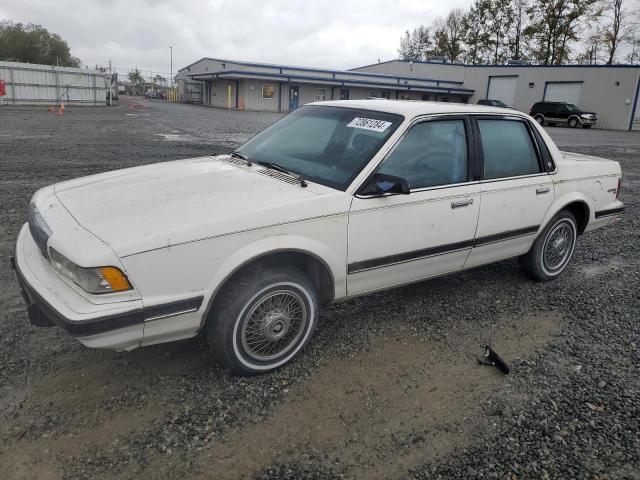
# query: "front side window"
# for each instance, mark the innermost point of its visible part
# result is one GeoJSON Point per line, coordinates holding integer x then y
{"type": "Point", "coordinates": [320, 94]}
{"type": "Point", "coordinates": [327, 145]}
{"type": "Point", "coordinates": [507, 149]}
{"type": "Point", "coordinates": [431, 153]}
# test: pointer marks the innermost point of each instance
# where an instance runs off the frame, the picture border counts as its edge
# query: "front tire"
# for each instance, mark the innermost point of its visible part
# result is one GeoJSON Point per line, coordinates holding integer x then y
{"type": "Point", "coordinates": [574, 122]}
{"type": "Point", "coordinates": [539, 119]}
{"type": "Point", "coordinates": [552, 250]}
{"type": "Point", "coordinates": [262, 319]}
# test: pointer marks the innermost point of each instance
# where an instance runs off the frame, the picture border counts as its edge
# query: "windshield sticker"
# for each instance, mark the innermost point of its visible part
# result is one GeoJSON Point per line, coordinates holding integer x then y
{"type": "Point", "coordinates": [369, 124]}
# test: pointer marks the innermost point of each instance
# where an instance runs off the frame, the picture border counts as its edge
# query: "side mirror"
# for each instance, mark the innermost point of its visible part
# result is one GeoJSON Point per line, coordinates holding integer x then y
{"type": "Point", "coordinates": [382, 184]}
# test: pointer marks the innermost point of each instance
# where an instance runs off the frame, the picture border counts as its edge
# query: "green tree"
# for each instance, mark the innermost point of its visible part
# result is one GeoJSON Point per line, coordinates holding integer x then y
{"type": "Point", "coordinates": [33, 43]}
{"type": "Point", "coordinates": [135, 77]}
{"type": "Point", "coordinates": [448, 35]}
{"type": "Point", "coordinates": [500, 17]}
{"type": "Point", "coordinates": [554, 25]}
{"type": "Point", "coordinates": [159, 80]}
{"type": "Point", "coordinates": [516, 38]}
{"type": "Point", "coordinates": [475, 33]}
{"type": "Point", "coordinates": [617, 28]}
{"type": "Point", "coordinates": [416, 45]}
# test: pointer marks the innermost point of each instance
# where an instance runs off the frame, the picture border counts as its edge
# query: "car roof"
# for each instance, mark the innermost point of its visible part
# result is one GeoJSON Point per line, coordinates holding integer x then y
{"type": "Point", "coordinates": [413, 108]}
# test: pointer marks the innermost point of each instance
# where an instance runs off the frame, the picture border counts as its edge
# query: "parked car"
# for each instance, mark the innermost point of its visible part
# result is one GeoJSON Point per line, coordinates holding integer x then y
{"type": "Point", "coordinates": [493, 103]}
{"type": "Point", "coordinates": [561, 113]}
{"type": "Point", "coordinates": [335, 200]}
{"type": "Point", "coordinates": [151, 94]}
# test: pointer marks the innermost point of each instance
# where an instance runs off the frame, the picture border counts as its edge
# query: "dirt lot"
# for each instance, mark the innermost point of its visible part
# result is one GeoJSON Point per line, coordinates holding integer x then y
{"type": "Point", "coordinates": [388, 388]}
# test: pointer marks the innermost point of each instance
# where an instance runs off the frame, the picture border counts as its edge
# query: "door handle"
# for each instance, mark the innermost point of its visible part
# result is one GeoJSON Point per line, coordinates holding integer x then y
{"type": "Point", "coordinates": [541, 190]}
{"type": "Point", "coordinates": [462, 203]}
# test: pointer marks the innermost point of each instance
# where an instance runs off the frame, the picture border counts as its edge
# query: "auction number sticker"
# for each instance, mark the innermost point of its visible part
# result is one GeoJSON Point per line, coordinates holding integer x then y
{"type": "Point", "coordinates": [369, 124]}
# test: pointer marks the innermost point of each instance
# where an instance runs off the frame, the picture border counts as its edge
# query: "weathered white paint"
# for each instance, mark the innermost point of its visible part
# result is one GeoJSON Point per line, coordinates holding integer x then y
{"type": "Point", "coordinates": [180, 229]}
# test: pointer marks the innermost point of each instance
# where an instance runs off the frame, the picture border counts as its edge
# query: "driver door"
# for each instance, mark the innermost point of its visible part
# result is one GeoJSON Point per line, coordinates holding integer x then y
{"type": "Point", "coordinates": [396, 239]}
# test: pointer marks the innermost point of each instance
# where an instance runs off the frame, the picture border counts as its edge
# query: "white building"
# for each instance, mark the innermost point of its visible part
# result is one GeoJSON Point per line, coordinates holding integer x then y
{"type": "Point", "coordinates": [610, 91]}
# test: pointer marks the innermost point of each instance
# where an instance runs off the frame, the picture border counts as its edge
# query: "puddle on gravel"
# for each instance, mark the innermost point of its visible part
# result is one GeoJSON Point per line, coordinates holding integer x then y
{"type": "Point", "coordinates": [383, 412]}
{"type": "Point", "coordinates": [602, 267]}
{"type": "Point", "coordinates": [175, 137]}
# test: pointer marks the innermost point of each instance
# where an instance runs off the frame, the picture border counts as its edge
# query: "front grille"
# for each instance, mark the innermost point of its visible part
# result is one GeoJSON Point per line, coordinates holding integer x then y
{"type": "Point", "coordinates": [39, 229]}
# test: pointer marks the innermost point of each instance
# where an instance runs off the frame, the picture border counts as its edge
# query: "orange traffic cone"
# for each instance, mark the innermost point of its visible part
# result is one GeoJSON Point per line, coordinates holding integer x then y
{"type": "Point", "coordinates": [61, 110]}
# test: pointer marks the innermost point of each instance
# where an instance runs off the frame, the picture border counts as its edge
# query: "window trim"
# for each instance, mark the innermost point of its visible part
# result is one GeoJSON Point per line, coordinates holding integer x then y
{"type": "Point", "coordinates": [471, 153]}
{"type": "Point", "coordinates": [480, 152]}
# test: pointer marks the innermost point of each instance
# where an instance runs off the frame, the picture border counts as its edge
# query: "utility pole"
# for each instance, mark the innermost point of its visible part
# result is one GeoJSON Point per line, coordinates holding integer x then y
{"type": "Point", "coordinates": [110, 84]}
{"type": "Point", "coordinates": [171, 54]}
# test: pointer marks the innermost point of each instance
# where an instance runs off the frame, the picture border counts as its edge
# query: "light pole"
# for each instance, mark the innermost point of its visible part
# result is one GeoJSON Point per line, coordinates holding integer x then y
{"type": "Point", "coordinates": [171, 50]}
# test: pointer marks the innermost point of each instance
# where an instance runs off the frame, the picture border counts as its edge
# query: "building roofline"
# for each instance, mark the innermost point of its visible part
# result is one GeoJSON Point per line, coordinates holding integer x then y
{"type": "Point", "coordinates": [573, 65]}
{"type": "Point", "coordinates": [338, 81]}
{"type": "Point", "coordinates": [323, 70]}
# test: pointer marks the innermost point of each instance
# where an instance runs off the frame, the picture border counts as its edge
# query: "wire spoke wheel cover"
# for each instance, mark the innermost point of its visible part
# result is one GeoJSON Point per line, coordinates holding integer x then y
{"type": "Point", "coordinates": [273, 325]}
{"type": "Point", "coordinates": [558, 246]}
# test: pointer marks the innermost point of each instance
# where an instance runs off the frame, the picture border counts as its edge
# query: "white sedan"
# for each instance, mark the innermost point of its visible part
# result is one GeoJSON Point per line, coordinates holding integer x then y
{"type": "Point", "coordinates": [335, 200]}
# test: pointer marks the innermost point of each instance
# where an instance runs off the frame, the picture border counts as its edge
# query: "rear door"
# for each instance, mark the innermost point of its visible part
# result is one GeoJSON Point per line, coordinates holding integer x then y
{"type": "Point", "coordinates": [516, 189]}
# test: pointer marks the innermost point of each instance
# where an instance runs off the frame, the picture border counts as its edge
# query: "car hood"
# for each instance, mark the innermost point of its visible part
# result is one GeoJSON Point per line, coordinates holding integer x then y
{"type": "Point", "coordinates": [144, 208]}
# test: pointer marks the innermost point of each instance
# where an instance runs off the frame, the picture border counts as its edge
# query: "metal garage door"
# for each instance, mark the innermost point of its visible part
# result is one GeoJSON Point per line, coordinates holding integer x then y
{"type": "Point", "coordinates": [502, 88]}
{"type": "Point", "coordinates": [563, 92]}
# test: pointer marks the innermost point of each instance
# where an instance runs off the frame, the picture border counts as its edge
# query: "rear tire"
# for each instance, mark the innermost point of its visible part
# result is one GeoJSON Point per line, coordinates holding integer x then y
{"type": "Point", "coordinates": [262, 319]}
{"type": "Point", "coordinates": [552, 250]}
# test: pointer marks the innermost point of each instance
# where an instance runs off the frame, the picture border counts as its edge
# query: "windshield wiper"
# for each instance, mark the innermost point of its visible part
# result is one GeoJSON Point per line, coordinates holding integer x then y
{"type": "Point", "coordinates": [241, 156]}
{"type": "Point", "coordinates": [275, 166]}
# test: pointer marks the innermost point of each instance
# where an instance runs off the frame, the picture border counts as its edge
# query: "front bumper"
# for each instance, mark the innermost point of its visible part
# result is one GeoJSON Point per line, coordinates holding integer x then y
{"type": "Point", "coordinates": [588, 121]}
{"type": "Point", "coordinates": [51, 301]}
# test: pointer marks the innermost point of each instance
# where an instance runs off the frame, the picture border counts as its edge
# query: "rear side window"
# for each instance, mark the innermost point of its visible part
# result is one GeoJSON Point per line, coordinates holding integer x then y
{"type": "Point", "coordinates": [507, 149]}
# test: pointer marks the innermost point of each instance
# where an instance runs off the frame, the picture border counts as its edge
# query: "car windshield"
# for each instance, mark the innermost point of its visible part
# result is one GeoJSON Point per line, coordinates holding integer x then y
{"type": "Point", "coordinates": [323, 144]}
{"type": "Point", "coordinates": [572, 108]}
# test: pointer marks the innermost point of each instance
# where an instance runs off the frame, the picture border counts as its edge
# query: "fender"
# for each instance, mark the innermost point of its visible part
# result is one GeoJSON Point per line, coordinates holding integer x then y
{"type": "Point", "coordinates": [279, 243]}
{"type": "Point", "coordinates": [562, 202]}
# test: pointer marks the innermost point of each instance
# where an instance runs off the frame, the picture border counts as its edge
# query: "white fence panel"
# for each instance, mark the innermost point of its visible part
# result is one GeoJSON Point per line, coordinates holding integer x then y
{"type": "Point", "coordinates": [29, 84]}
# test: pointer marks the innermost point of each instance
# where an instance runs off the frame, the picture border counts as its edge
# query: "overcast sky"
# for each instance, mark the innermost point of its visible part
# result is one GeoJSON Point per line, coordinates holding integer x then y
{"type": "Point", "coordinates": [333, 34]}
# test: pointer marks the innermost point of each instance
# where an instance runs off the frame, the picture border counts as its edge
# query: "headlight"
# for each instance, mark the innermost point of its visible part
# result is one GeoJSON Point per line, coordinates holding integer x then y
{"type": "Point", "coordinates": [585, 115]}
{"type": "Point", "coordinates": [92, 280]}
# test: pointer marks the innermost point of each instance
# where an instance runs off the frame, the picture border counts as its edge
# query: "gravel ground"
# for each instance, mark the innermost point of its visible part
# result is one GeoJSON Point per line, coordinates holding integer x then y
{"type": "Point", "coordinates": [388, 388]}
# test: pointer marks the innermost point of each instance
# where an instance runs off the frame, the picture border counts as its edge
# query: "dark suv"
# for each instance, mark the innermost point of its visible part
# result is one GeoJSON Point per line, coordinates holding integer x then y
{"type": "Point", "coordinates": [561, 113]}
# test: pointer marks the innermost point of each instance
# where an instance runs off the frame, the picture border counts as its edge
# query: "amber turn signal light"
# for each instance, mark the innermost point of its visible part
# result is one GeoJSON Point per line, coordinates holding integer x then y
{"type": "Point", "coordinates": [117, 280]}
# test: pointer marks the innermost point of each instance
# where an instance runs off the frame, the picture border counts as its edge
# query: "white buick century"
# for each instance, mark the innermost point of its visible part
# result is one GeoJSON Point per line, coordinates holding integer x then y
{"type": "Point", "coordinates": [335, 200]}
